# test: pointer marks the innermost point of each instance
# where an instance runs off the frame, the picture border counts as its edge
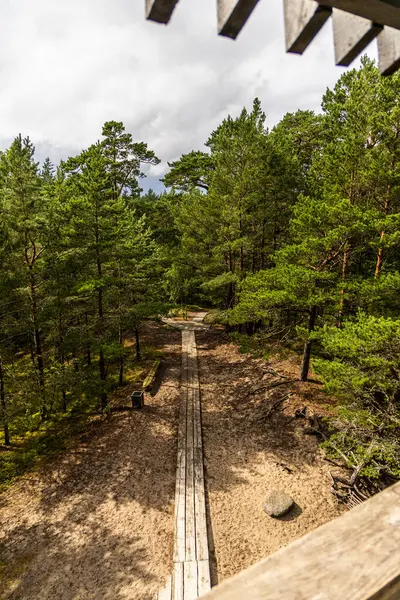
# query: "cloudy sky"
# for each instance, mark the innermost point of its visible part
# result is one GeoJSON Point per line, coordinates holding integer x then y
{"type": "Point", "coordinates": [67, 66]}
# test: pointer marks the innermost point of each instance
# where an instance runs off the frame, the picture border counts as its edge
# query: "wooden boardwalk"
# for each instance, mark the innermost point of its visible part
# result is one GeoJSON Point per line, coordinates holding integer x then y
{"type": "Point", "coordinates": [191, 571]}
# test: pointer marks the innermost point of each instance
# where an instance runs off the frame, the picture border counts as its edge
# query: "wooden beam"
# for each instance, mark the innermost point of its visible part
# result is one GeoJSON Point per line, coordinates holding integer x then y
{"type": "Point", "coordinates": [389, 50]}
{"type": "Point", "coordinates": [384, 12]}
{"type": "Point", "coordinates": [303, 20]}
{"type": "Point", "coordinates": [354, 557]}
{"type": "Point", "coordinates": [177, 581]}
{"type": "Point", "coordinates": [160, 11]}
{"type": "Point", "coordinates": [232, 16]}
{"type": "Point", "coordinates": [166, 593]}
{"type": "Point", "coordinates": [351, 34]}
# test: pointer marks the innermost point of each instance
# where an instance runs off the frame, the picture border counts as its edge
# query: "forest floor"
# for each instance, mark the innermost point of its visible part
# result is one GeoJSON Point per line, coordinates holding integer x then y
{"type": "Point", "coordinates": [97, 521]}
{"type": "Point", "coordinates": [251, 447]}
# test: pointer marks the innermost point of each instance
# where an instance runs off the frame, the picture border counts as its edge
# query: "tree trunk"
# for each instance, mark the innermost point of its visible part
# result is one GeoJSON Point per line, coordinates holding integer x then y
{"type": "Point", "coordinates": [3, 407]}
{"type": "Point", "coordinates": [379, 258]}
{"type": "Point", "coordinates": [229, 299]}
{"type": "Point", "coordinates": [62, 357]}
{"type": "Point", "coordinates": [305, 365]}
{"type": "Point", "coordinates": [345, 265]}
{"type": "Point", "coordinates": [64, 400]}
{"type": "Point", "coordinates": [88, 344]}
{"type": "Point", "coordinates": [102, 371]}
{"type": "Point", "coordinates": [37, 344]}
{"type": "Point", "coordinates": [121, 357]}
{"type": "Point", "coordinates": [102, 366]}
{"type": "Point", "coordinates": [263, 245]}
{"type": "Point", "coordinates": [138, 354]}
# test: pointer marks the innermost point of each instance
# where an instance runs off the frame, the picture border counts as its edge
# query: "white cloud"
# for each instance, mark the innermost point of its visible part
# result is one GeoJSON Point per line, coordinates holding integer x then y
{"type": "Point", "coordinates": [67, 67]}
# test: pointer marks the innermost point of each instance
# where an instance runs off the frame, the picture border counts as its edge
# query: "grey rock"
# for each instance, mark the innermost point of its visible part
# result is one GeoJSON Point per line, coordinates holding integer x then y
{"type": "Point", "coordinates": [278, 503]}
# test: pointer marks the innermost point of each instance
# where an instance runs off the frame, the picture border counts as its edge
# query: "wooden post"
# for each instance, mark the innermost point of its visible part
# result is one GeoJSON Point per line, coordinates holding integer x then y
{"type": "Point", "coordinates": [352, 34]}
{"type": "Point", "coordinates": [303, 20]}
{"type": "Point", "coordinates": [160, 10]}
{"type": "Point", "coordinates": [383, 12]}
{"type": "Point", "coordinates": [389, 50]}
{"type": "Point", "coordinates": [232, 16]}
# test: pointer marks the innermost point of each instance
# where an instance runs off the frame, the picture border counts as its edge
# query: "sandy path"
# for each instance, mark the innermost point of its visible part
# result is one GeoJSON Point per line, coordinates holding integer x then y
{"type": "Point", "coordinates": [98, 523]}
{"type": "Point", "coordinates": [243, 459]}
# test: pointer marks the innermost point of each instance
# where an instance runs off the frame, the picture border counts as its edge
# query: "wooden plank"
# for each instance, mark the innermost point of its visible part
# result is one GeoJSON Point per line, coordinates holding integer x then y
{"type": "Point", "coordinates": [197, 441]}
{"type": "Point", "coordinates": [232, 16]}
{"type": "Point", "coordinates": [190, 507]}
{"type": "Point", "coordinates": [184, 386]}
{"type": "Point", "coordinates": [200, 508]}
{"type": "Point", "coordinates": [383, 12]}
{"type": "Point", "coordinates": [166, 593]}
{"type": "Point", "coordinates": [182, 421]}
{"type": "Point", "coordinates": [351, 34]}
{"type": "Point", "coordinates": [190, 420]}
{"type": "Point", "coordinates": [190, 533]}
{"type": "Point", "coordinates": [354, 557]}
{"type": "Point", "coordinates": [203, 577]}
{"type": "Point", "coordinates": [151, 375]}
{"type": "Point", "coordinates": [160, 11]}
{"type": "Point", "coordinates": [389, 50]}
{"type": "Point", "coordinates": [303, 20]}
{"type": "Point", "coordinates": [190, 514]}
{"type": "Point", "coordinates": [190, 584]}
{"type": "Point", "coordinates": [180, 509]}
{"type": "Point", "coordinates": [177, 581]}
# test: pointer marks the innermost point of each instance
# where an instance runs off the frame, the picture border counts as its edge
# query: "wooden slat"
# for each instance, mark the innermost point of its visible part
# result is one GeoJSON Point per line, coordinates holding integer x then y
{"type": "Point", "coordinates": [384, 12]}
{"type": "Point", "coordinates": [177, 581]}
{"type": "Point", "coordinates": [303, 20]}
{"type": "Point", "coordinates": [160, 10]}
{"type": "Point", "coordinates": [166, 593]}
{"type": "Point", "coordinates": [190, 585]}
{"type": "Point", "coordinates": [197, 442]}
{"type": "Point", "coordinates": [190, 577]}
{"type": "Point", "coordinates": [180, 509]}
{"type": "Point", "coordinates": [190, 506]}
{"type": "Point", "coordinates": [151, 375]}
{"type": "Point", "coordinates": [203, 577]}
{"type": "Point", "coordinates": [389, 50]}
{"type": "Point", "coordinates": [184, 386]}
{"type": "Point", "coordinates": [232, 16]}
{"type": "Point", "coordinates": [200, 508]}
{"type": "Point", "coordinates": [354, 557]}
{"type": "Point", "coordinates": [351, 34]}
{"type": "Point", "coordinates": [182, 422]}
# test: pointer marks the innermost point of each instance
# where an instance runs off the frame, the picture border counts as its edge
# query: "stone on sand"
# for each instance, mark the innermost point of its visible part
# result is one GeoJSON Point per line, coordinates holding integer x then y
{"type": "Point", "coordinates": [278, 503]}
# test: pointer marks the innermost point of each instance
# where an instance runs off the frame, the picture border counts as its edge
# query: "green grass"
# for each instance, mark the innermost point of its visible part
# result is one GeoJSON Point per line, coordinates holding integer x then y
{"type": "Point", "coordinates": [251, 344]}
{"type": "Point", "coordinates": [33, 440]}
{"type": "Point", "coordinates": [51, 437]}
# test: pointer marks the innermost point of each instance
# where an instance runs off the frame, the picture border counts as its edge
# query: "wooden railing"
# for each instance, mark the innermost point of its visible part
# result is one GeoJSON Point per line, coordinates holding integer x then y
{"type": "Point", "coordinates": [355, 24]}
{"type": "Point", "coordinates": [354, 557]}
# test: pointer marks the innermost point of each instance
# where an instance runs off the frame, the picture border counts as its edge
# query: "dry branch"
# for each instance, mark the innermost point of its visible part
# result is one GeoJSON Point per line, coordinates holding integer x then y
{"type": "Point", "coordinates": [270, 387]}
{"type": "Point", "coordinates": [276, 404]}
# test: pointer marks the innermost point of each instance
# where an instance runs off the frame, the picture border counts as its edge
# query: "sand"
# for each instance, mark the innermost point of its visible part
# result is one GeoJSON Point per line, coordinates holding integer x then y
{"type": "Point", "coordinates": [246, 455]}
{"type": "Point", "coordinates": [97, 522]}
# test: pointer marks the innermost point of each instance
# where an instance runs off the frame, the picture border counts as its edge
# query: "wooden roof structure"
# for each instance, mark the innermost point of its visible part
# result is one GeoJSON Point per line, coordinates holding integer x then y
{"type": "Point", "coordinates": [355, 24]}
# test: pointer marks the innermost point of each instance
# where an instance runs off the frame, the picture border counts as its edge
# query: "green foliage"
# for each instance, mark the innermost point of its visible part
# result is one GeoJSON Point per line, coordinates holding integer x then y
{"type": "Point", "coordinates": [288, 233]}
{"type": "Point", "coordinates": [257, 345]}
{"type": "Point", "coordinates": [191, 171]}
{"type": "Point", "coordinates": [80, 272]}
{"type": "Point", "coordinates": [361, 367]}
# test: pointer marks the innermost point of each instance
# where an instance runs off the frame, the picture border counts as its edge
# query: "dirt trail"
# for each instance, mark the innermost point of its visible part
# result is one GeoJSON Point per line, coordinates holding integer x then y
{"type": "Point", "coordinates": [247, 454]}
{"type": "Point", "coordinates": [98, 523]}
